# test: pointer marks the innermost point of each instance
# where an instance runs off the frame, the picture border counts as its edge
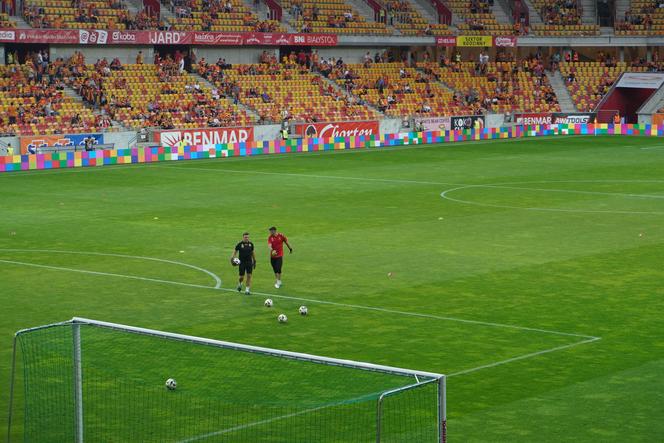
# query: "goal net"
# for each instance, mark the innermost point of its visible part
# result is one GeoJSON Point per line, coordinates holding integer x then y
{"type": "Point", "coordinates": [98, 381]}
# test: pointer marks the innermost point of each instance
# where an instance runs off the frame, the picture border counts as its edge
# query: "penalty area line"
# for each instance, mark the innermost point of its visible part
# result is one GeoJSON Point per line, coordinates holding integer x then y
{"type": "Point", "coordinates": [586, 338]}
{"type": "Point", "coordinates": [309, 300]}
{"type": "Point", "coordinates": [524, 357]}
{"type": "Point", "coordinates": [217, 280]}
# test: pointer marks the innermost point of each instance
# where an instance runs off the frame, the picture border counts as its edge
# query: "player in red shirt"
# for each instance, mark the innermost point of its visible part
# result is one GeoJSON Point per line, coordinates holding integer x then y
{"type": "Point", "coordinates": [276, 243]}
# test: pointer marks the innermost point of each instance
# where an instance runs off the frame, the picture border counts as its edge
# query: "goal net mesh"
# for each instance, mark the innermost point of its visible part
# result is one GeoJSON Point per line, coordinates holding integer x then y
{"type": "Point", "coordinates": [222, 395]}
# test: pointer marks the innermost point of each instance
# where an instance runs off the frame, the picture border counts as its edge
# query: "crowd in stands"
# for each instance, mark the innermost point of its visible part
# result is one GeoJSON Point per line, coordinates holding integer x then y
{"type": "Point", "coordinates": [33, 101]}
{"type": "Point", "coordinates": [163, 94]}
{"type": "Point", "coordinates": [218, 15]}
{"type": "Point", "coordinates": [333, 16]}
{"type": "Point", "coordinates": [502, 86]}
{"type": "Point", "coordinates": [478, 18]}
{"type": "Point", "coordinates": [643, 17]}
{"type": "Point", "coordinates": [105, 14]}
{"type": "Point", "coordinates": [562, 18]}
{"type": "Point", "coordinates": [160, 95]}
{"type": "Point", "coordinates": [589, 81]}
{"type": "Point", "coordinates": [409, 21]}
{"type": "Point", "coordinates": [560, 12]}
{"type": "Point", "coordinates": [6, 22]}
{"type": "Point", "coordinates": [283, 90]}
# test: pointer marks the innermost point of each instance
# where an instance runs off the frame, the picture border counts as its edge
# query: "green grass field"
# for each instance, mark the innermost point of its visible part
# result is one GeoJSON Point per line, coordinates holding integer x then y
{"type": "Point", "coordinates": [531, 271]}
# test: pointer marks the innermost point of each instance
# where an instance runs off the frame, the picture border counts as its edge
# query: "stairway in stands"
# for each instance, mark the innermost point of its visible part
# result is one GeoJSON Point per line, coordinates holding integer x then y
{"type": "Point", "coordinates": [558, 85]}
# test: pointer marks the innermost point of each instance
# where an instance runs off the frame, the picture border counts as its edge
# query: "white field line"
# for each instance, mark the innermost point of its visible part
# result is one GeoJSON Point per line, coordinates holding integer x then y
{"type": "Point", "coordinates": [105, 274]}
{"type": "Point", "coordinates": [310, 300]}
{"type": "Point", "coordinates": [128, 167]}
{"type": "Point", "coordinates": [445, 195]}
{"type": "Point", "coordinates": [524, 356]}
{"type": "Point", "coordinates": [249, 425]}
{"type": "Point", "coordinates": [418, 182]}
{"type": "Point", "coordinates": [217, 280]}
{"type": "Point", "coordinates": [653, 147]}
{"type": "Point", "coordinates": [455, 374]}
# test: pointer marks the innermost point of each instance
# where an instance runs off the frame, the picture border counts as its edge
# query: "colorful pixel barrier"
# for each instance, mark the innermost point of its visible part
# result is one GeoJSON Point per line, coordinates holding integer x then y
{"type": "Point", "coordinates": [57, 160]}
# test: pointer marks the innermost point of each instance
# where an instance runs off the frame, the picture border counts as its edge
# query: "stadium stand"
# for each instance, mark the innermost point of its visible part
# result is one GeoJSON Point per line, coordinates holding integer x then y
{"type": "Point", "coordinates": [587, 82]}
{"type": "Point", "coordinates": [333, 16]}
{"type": "Point", "coordinates": [83, 14]}
{"type": "Point", "coordinates": [478, 18]}
{"type": "Point", "coordinates": [218, 15]}
{"type": "Point", "coordinates": [160, 95]}
{"type": "Point", "coordinates": [282, 91]}
{"type": "Point", "coordinates": [644, 17]}
{"type": "Point", "coordinates": [396, 89]}
{"type": "Point", "coordinates": [503, 86]}
{"type": "Point", "coordinates": [409, 21]}
{"type": "Point", "coordinates": [32, 101]}
{"type": "Point", "coordinates": [561, 18]}
{"type": "Point", "coordinates": [6, 21]}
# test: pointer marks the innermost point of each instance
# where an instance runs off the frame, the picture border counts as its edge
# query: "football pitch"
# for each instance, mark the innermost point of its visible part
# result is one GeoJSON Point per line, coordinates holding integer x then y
{"type": "Point", "coordinates": [529, 271]}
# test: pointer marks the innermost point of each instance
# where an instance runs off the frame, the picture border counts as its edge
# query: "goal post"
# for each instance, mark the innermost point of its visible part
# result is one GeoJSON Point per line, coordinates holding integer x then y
{"type": "Point", "coordinates": [98, 381]}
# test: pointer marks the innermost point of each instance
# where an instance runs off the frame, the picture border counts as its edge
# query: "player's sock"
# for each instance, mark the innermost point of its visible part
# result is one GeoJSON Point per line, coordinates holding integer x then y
{"type": "Point", "coordinates": [247, 290]}
{"type": "Point", "coordinates": [239, 287]}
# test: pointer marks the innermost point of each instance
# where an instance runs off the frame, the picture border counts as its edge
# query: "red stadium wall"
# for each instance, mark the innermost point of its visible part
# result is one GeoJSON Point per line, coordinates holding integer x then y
{"type": "Point", "coordinates": [624, 100]}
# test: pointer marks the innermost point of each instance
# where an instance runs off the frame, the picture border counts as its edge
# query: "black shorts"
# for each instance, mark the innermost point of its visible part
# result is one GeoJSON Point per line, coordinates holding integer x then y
{"type": "Point", "coordinates": [276, 264]}
{"type": "Point", "coordinates": [247, 267]}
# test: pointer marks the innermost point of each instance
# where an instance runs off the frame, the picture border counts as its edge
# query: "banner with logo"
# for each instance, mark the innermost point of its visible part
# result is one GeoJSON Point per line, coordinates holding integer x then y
{"type": "Point", "coordinates": [204, 136]}
{"type": "Point", "coordinates": [130, 37]}
{"type": "Point", "coordinates": [508, 41]}
{"type": "Point", "coordinates": [341, 129]}
{"type": "Point", "coordinates": [533, 118]}
{"type": "Point", "coordinates": [466, 122]}
{"type": "Point", "coordinates": [474, 40]}
{"type": "Point", "coordinates": [449, 40]}
{"type": "Point", "coordinates": [35, 142]}
{"type": "Point", "coordinates": [573, 117]}
{"type": "Point", "coordinates": [434, 123]}
{"type": "Point", "coordinates": [7, 36]}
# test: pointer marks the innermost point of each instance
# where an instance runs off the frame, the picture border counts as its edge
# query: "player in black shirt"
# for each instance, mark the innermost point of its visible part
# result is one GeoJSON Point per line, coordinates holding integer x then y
{"type": "Point", "coordinates": [245, 251]}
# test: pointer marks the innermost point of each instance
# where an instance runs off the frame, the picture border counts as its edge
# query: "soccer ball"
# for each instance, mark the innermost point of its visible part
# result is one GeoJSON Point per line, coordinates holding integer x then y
{"type": "Point", "coordinates": [282, 318]}
{"type": "Point", "coordinates": [235, 261]}
{"type": "Point", "coordinates": [171, 384]}
{"type": "Point", "coordinates": [268, 303]}
{"type": "Point", "coordinates": [303, 310]}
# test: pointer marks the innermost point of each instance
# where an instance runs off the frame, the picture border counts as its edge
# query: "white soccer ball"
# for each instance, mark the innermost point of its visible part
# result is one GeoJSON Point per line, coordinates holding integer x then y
{"type": "Point", "coordinates": [236, 261]}
{"type": "Point", "coordinates": [171, 384]}
{"type": "Point", "coordinates": [304, 310]}
{"type": "Point", "coordinates": [282, 318]}
{"type": "Point", "coordinates": [268, 303]}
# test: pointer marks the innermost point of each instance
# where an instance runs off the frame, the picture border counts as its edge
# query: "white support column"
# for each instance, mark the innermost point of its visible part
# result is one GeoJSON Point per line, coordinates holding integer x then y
{"type": "Point", "coordinates": [78, 382]}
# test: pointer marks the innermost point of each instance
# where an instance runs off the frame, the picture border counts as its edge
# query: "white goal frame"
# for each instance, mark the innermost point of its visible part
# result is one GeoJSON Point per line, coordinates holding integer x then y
{"type": "Point", "coordinates": [76, 322]}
